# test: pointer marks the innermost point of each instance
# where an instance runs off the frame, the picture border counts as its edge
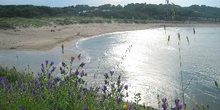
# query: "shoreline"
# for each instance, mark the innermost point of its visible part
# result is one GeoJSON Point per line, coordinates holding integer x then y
{"type": "Point", "coordinates": [45, 38]}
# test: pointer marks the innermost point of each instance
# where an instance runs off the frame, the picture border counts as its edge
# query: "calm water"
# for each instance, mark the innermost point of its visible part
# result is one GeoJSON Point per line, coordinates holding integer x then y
{"type": "Point", "coordinates": [148, 63]}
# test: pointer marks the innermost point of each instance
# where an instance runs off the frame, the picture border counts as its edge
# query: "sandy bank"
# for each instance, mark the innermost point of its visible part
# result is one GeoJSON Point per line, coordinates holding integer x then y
{"type": "Point", "coordinates": [42, 38]}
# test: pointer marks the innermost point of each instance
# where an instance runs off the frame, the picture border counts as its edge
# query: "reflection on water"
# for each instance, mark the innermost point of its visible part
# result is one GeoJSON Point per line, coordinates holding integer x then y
{"type": "Point", "coordinates": [148, 63]}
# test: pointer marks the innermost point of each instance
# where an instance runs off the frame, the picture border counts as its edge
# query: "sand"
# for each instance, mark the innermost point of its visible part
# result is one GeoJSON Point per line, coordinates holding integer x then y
{"type": "Point", "coordinates": [43, 39]}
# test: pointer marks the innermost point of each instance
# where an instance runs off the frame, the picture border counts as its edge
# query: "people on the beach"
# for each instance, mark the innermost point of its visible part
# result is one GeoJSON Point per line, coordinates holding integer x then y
{"type": "Point", "coordinates": [62, 46]}
{"type": "Point", "coordinates": [79, 56]}
{"type": "Point", "coordinates": [194, 31]}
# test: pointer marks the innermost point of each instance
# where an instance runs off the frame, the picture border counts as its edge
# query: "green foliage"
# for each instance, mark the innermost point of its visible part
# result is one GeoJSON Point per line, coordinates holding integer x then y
{"type": "Point", "coordinates": [138, 11]}
{"type": "Point", "coordinates": [12, 74]}
{"type": "Point", "coordinates": [69, 91]}
{"type": "Point", "coordinates": [5, 25]}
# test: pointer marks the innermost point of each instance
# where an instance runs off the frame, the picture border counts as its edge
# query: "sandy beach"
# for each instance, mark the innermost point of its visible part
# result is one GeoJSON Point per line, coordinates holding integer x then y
{"type": "Point", "coordinates": [43, 39]}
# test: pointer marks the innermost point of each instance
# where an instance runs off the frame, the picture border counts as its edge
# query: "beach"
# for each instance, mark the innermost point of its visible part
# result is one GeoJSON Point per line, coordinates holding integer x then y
{"type": "Point", "coordinates": [45, 38]}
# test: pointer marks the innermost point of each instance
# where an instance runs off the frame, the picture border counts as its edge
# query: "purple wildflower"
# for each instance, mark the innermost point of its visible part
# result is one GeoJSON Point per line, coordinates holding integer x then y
{"type": "Point", "coordinates": [119, 89]}
{"type": "Point", "coordinates": [164, 105]}
{"type": "Point", "coordinates": [82, 73]}
{"type": "Point", "coordinates": [84, 108]}
{"type": "Point", "coordinates": [164, 100]}
{"type": "Point", "coordinates": [42, 69]}
{"type": "Point", "coordinates": [126, 87]}
{"type": "Point", "coordinates": [53, 69]}
{"type": "Point", "coordinates": [106, 82]}
{"type": "Point", "coordinates": [56, 79]}
{"type": "Point", "coordinates": [97, 88]}
{"type": "Point", "coordinates": [51, 102]}
{"type": "Point", "coordinates": [104, 88]}
{"type": "Point", "coordinates": [127, 94]}
{"type": "Point", "coordinates": [118, 82]}
{"type": "Point", "coordinates": [77, 72]}
{"type": "Point", "coordinates": [61, 68]}
{"type": "Point", "coordinates": [72, 59]}
{"type": "Point", "coordinates": [111, 72]}
{"type": "Point", "coordinates": [119, 77]}
{"type": "Point", "coordinates": [63, 71]}
{"type": "Point", "coordinates": [22, 107]}
{"type": "Point", "coordinates": [55, 88]}
{"type": "Point", "coordinates": [70, 91]}
{"type": "Point", "coordinates": [76, 83]}
{"type": "Point", "coordinates": [79, 95]}
{"type": "Point", "coordinates": [113, 85]}
{"type": "Point", "coordinates": [82, 64]}
{"type": "Point", "coordinates": [177, 102]}
{"type": "Point", "coordinates": [63, 64]}
{"type": "Point", "coordinates": [103, 97]}
{"type": "Point", "coordinates": [51, 63]}
{"type": "Point", "coordinates": [85, 89]}
{"type": "Point", "coordinates": [46, 62]}
{"type": "Point", "coordinates": [106, 75]}
{"type": "Point", "coordinates": [49, 84]}
{"type": "Point", "coordinates": [177, 105]}
{"type": "Point", "coordinates": [118, 100]}
{"type": "Point", "coordinates": [60, 109]}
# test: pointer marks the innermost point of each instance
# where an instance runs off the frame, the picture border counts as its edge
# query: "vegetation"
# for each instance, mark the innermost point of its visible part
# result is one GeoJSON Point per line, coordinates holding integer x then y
{"type": "Point", "coordinates": [139, 11]}
{"type": "Point", "coordinates": [12, 16]}
{"type": "Point", "coordinates": [67, 92]}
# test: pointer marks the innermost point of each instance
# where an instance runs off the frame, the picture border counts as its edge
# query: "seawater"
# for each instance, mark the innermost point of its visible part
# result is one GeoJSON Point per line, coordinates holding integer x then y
{"type": "Point", "coordinates": [148, 63]}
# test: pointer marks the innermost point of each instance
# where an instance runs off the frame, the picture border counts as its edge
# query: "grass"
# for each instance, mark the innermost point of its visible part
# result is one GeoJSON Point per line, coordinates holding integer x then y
{"type": "Point", "coordinates": [8, 23]}
{"type": "Point", "coordinates": [48, 21]}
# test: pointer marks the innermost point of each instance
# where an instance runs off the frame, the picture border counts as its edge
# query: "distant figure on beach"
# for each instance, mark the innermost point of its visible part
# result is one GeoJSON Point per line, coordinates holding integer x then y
{"type": "Point", "coordinates": [194, 32]}
{"type": "Point", "coordinates": [164, 27]}
{"type": "Point", "coordinates": [168, 39]}
{"type": "Point", "coordinates": [62, 46]}
{"type": "Point", "coordinates": [79, 56]}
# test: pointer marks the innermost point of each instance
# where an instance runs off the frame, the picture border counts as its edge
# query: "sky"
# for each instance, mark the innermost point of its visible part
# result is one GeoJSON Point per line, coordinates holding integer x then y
{"type": "Point", "coordinates": [62, 3]}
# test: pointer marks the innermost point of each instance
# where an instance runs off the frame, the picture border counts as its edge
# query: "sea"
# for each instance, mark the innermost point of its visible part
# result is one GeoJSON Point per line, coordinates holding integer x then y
{"type": "Point", "coordinates": [157, 62]}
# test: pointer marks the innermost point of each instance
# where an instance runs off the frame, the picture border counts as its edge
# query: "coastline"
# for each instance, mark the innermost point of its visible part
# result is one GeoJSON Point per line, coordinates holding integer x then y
{"type": "Point", "coordinates": [43, 39]}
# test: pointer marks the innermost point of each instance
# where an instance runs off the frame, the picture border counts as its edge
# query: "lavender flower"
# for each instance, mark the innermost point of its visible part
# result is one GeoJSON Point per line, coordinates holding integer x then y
{"type": "Point", "coordinates": [126, 87]}
{"type": "Point", "coordinates": [106, 82]}
{"type": "Point", "coordinates": [85, 89]}
{"type": "Point", "coordinates": [103, 97]}
{"type": "Point", "coordinates": [82, 64]}
{"type": "Point", "coordinates": [22, 107]}
{"type": "Point", "coordinates": [63, 64]}
{"type": "Point", "coordinates": [46, 62]}
{"type": "Point", "coordinates": [51, 63]}
{"type": "Point", "coordinates": [51, 102]}
{"type": "Point", "coordinates": [84, 108]}
{"type": "Point", "coordinates": [164, 104]}
{"type": "Point", "coordinates": [56, 79]}
{"type": "Point", "coordinates": [111, 72]}
{"type": "Point", "coordinates": [70, 91]}
{"type": "Point", "coordinates": [118, 82]}
{"type": "Point", "coordinates": [106, 75]}
{"type": "Point", "coordinates": [72, 59]}
{"type": "Point", "coordinates": [77, 72]}
{"type": "Point", "coordinates": [104, 88]}
{"type": "Point", "coordinates": [82, 73]}
{"type": "Point", "coordinates": [53, 69]}
{"type": "Point", "coordinates": [63, 71]}
{"type": "Point", "coordinates": [118, 100]}
{"type": "Point", "coordinates": [177, 105]}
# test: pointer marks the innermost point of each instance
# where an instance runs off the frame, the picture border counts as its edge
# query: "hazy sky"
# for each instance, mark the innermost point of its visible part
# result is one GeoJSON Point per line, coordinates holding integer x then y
{"type": "Point", "coordinates": [61, 3]}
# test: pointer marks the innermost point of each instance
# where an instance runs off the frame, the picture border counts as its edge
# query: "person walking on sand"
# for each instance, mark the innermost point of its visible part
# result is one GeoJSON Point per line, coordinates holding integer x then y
{"type": "Point", "coordinates": [62, 46]}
